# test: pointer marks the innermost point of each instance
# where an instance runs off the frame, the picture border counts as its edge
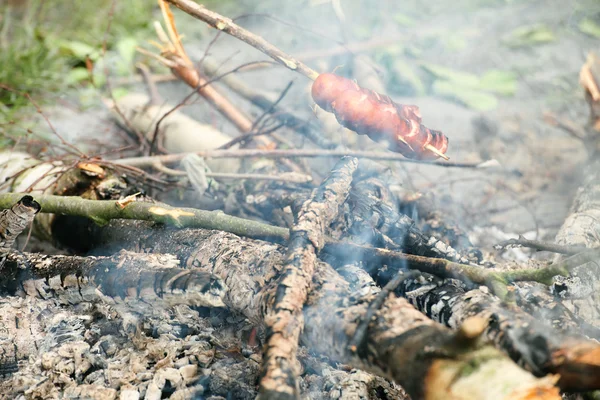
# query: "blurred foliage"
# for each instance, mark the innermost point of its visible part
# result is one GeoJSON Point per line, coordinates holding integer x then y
{"type": "Point", "coordinates": [477, 92]}
{"type": "Point", "coordinates": [590, 27]}
{"type": "Point", "coordinates": [44, 45]}
{"type": "Point", "coordinates": [530, 36]}
{"type": "Point", "coordinates": [411, 77]}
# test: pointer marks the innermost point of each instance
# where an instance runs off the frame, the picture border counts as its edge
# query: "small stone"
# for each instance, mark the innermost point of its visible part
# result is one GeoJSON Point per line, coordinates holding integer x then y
{"type": "Point", "coordinates": [66, 367]}
{"type": "Point", "coordinates": [182, 362]}
{"type": "Point", "coordinates": [144, 376]}
{"type": "Point", "coordinates": [168, 374]}
{"type": "Point", "coordinates": [257, 358]}
{"type": "Point", "coordinates": [188, 372]}
{"type": "Point", "coordinates": [153, 392]}
{"type": "Point", "coordinates": [129, 394]}
{"type": "Point", "coordinates": [49, 360]}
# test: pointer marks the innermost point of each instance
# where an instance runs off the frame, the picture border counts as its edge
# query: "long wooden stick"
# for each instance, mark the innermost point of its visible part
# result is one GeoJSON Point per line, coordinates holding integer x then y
{"type": "Point", "coordinates": [226, 25]}
{"type": "Point", "coordinates": [308, 153]}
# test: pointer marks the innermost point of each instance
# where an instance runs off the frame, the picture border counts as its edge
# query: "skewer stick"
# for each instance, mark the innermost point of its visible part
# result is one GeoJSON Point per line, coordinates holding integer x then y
{"type": "Point", "coordinates": [226, 25]}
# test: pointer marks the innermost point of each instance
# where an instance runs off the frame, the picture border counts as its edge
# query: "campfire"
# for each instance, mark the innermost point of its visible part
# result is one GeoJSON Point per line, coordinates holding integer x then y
{"type": "Point", "coordinates": [282, 263]}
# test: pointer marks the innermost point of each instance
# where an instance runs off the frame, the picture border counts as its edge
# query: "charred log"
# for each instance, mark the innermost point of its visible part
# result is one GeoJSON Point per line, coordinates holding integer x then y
{"type": "Point", "coordinates": [284, 320]}
{"type": "Point", "coordinates": [374, 220]}
{"type": "Point", "coordinates": [150, 277]}
{"type": "Point", "coordinates": [534, 345]}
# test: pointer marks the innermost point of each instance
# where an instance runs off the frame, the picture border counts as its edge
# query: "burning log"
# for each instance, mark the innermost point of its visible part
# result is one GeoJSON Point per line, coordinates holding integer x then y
{"type": "Point", "coordinates": [375, 221]}
{"type": "Point", "coordinates": [285, 321]}
{"type": "Point", "coordinates": [531, 343]}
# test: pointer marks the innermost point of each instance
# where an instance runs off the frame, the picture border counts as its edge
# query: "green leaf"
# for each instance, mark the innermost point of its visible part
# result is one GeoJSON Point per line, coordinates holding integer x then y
{"type": "Point", "coordinates": [77, 75]}
{"type": "Point", "coordinates": [78, 50]}
{"type": "Point", "coordinates": [529, 36]}
{"type": "Point", "coordinates": [452, 75]}
{"type": "Point", "coordinates": [126, 48]}
{"type": "Point", "coordinates": [498, 81]}
{"type": "Point", "coordinates": [119, 92]}
{"type": "Point", "coordinates": [590, 27]}
{"type": "Point", "coordinates": [474, 99]}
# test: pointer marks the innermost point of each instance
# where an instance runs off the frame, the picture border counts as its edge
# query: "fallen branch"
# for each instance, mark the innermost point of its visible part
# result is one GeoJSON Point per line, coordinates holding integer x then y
{"type": "Point", "coordinates": [102, 211]}
{"type": "Point", "coordinates": [496, 280]}
{"type": "Point", "coordinates": [285, 320]}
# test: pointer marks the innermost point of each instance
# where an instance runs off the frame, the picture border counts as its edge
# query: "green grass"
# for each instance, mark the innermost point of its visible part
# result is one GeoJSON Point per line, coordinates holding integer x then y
{"type": "Point", "coordinates": [38, 39]}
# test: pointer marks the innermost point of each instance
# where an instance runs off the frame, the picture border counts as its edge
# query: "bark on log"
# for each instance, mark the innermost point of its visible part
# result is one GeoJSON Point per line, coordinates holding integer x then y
{"type": "Point", "coordinates": [374, 219]}
{"type": "Point", "coordinates": [151, 277]}
{"type": "Point", "coordinates": [13, 221]}
{"type": "Point", "coordinates": [285, 320]}
{"type": "Point", "coordinates": [581, 228]}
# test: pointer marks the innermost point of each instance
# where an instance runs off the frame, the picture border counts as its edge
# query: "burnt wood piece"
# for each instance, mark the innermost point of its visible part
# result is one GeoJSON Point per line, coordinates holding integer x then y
{"type": "Point", "coordinates": [533, 344]}
{"type": "Point", "coordinates": [285, 319]}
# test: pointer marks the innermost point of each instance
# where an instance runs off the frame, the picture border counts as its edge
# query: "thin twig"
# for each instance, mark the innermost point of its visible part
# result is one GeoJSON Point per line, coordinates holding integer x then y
{"type": "Point", "coordinates": [39, 110]}
{"type": "Point", "coordinates": [539, 246]}
{"type": "Point", "coordinates": [288, 177]}
{"type": "Point", "coordinates": [305, 153]}
{"type": "Point", "coordinates": [273, 106]}
{"type": "Point", "coordinates": [265, 100]}
{"type": "Point", "coordinates": [249, 136]}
